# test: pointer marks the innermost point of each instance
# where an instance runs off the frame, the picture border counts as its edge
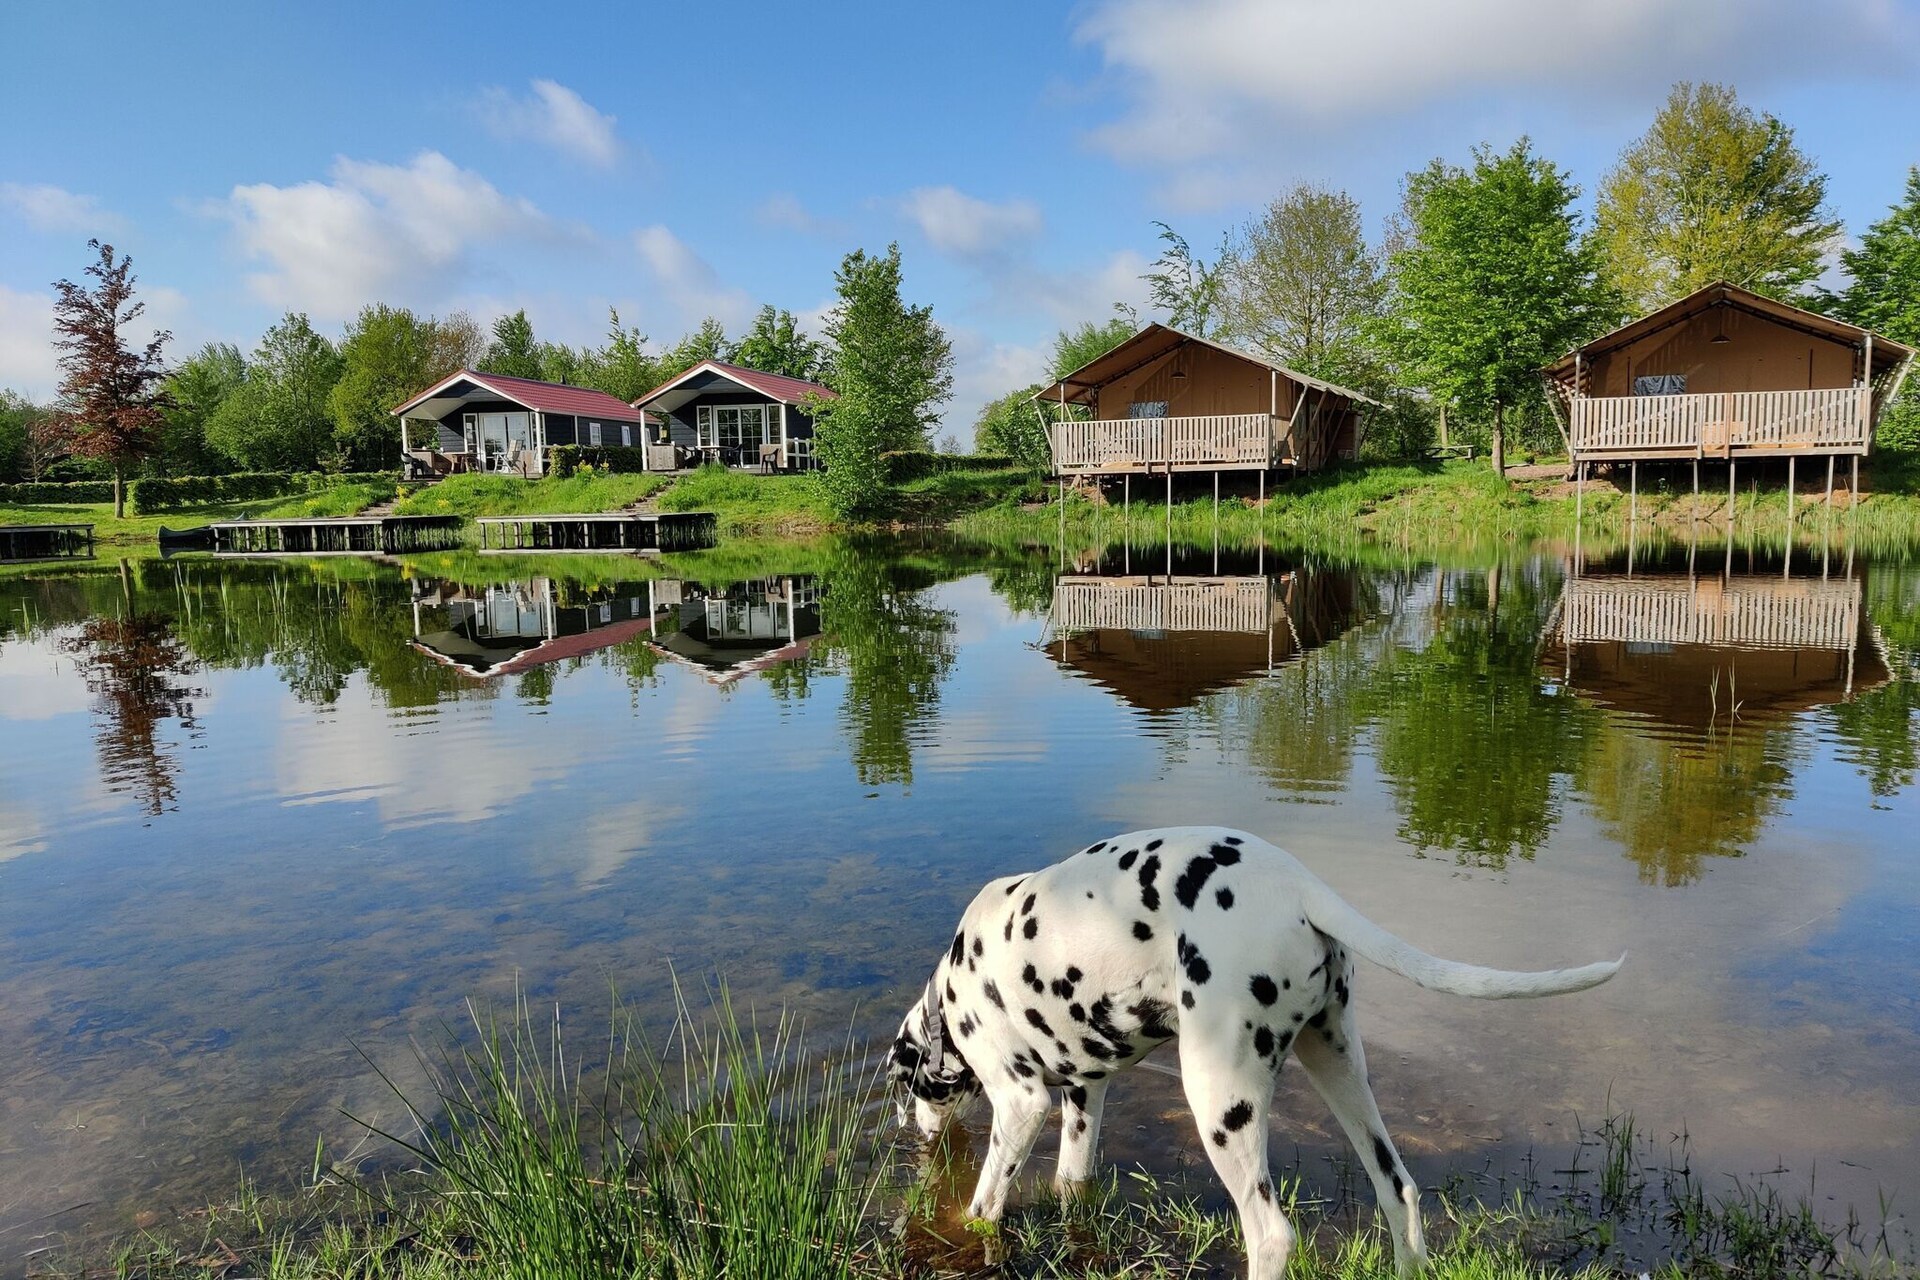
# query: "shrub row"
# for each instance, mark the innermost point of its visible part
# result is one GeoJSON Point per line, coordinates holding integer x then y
{"type": "Point", "coordinates": [38, 493]}
{"type": "Point", "coordinates": [915, 464]}
{"type": "Point", "coordinates": [565, 459]}
{"type": "Point", "coordinates": [165, 493]}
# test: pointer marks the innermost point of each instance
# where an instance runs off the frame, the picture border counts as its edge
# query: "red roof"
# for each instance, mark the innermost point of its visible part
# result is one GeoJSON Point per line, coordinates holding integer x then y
{"type": "Point", "coordinates": [546, 397]}
{"type": "Point", "coordinates": [776, 386]}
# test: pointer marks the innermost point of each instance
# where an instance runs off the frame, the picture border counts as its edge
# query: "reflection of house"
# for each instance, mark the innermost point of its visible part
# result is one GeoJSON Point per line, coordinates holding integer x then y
{"type": "Point", "coordinates": [733, 415]}
{"type": "Point", "coordinates": [472, 421]}
{"type": "Point", "coordinates": [1162, 643]}
{"type": "Point", "coordinates": [1726, 373]}
{"type": "Point", "coordinates": [1683, 650]}
{"type": "Point", "coordinates": [507, 629]}
{"type": "Point", "coordinates": [732, 631]}
{"type": "Point", "coordinates": [1166, 401]}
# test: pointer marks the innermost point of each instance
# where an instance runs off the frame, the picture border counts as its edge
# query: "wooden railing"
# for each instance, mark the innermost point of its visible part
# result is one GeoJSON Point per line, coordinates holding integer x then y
{"type": "Point", "coordinates": [1224, 440]}
{"type": "Point", "coordinates": [1721, 424]}
{"type": "Point", "coordinates": [1749, 613]}
{"type": "Point", "coordinates": [1139, 604]}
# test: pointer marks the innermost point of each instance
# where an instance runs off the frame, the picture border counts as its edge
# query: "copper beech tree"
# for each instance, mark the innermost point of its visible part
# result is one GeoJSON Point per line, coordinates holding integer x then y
{"type": "Point", "coordinates": [111, 391]}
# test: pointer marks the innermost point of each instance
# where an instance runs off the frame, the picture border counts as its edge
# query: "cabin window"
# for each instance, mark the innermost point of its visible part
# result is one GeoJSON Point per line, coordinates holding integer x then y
{"type": "Point", "coordinates": [1660, 384]}
{"type": "Point", "coordinates": [593, 433]}
{"type": "Point", "coordinates": [740, 428]}
{"type": "Point", "coordinates": [1147, 409]}
{"type": "Point", "coordinates": [469, 433]}
{"type": "Point", "coordinates": [626, 435]}
{"type": "Point", "coordinates": [703, 417]}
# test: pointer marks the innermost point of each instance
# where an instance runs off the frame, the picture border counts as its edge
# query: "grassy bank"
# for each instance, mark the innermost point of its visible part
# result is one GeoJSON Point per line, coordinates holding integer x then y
{"type": "Point", "coordinates": [739, 1151]}
{"type": "Point", "coordinates": [480, 495]}
{"type": "Point", "coordinates": [136, 530]}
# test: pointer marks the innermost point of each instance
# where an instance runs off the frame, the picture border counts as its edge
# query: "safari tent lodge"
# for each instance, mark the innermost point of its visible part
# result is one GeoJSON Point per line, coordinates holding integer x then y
{"type": "Point", "coordinates": [1165, 401]}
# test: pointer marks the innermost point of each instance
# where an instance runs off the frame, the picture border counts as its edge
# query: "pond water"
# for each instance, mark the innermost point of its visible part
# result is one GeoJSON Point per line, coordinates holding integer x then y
{"type": "Point", "coordinates": [259, 818]}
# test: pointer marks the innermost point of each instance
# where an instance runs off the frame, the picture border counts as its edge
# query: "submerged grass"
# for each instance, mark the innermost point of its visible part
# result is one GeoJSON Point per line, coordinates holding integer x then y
{"type": "Point", "coordinates": [732, 1149]}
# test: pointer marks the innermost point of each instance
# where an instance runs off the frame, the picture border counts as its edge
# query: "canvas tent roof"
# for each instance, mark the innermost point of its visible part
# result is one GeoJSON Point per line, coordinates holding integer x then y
{"type": "Point", "coordinates": [1158, 340]}
{"type": "Point", "coordinates": [1886, 352]}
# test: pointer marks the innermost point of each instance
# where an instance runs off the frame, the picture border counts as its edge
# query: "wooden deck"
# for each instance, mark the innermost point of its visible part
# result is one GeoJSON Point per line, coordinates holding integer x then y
{"type": "Point", "coordinates": [599, 531]}
{"type": "Point", "coordinates": [1745, 613]}
{"type": "Point", "coordinates": [1116, 603]}
{"type": "Point", "coordinates": [46, 542]}
{"type": "Point", "coordinates": [1217, 442]}
{"type": "Point", "coordinates": [335, 535]}
{"type": "Point", "coordinates": [1723, 425]}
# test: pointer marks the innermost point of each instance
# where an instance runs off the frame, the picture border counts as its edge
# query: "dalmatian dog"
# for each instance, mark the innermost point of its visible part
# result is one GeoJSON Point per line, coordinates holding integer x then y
{"type": "Point", "coordinates": [1067, 976]}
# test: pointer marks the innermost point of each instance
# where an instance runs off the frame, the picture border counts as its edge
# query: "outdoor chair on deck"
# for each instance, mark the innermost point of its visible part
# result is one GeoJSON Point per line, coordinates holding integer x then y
{"type": "Point", "coordinates": [769, 457]}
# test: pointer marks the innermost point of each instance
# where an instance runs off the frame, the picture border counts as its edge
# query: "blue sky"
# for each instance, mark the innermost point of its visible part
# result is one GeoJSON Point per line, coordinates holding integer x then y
{"type": "Point", "coordinates": [676, 161]}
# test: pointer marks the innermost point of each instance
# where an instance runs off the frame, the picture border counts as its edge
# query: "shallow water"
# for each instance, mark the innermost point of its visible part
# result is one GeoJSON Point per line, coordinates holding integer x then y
{"type": "Point", "coordinates": [258, 819]}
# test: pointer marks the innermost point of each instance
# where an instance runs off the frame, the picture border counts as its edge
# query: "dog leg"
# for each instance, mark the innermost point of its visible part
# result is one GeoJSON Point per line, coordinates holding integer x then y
{"type": "Point", "coordinates": [1018, 1116]}
{"type": "Point", "coordinates": [1230, 1090]}
{"type": "Point", "coordinates": [1337, 1066]}
{"type": "Point", "coordinates": [1080, 1108]}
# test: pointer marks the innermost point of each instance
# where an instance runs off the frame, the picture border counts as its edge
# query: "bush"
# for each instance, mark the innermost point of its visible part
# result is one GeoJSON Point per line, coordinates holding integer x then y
{"type": "Point", "coordinates": [622, 459]}
{"type": "Point", "coordinates": [167, 493]}
{"type": "Point", "coordinates": [43, 493]}
{"type": "Point", "coordinates": [916, 464]}
{"type": "Point", "coordinates": [1899, 426]}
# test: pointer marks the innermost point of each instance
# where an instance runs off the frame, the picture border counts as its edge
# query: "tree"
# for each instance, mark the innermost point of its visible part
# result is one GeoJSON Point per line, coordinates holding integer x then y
{"type": "Point", "coordinates": [557, 362]}
{"type": "Point", "coordinates": [890, 358]}
{"type": "Point", "coordinates": [776, 344]}
{"type": "Point", "coordinates": [386, 355]}
{"type": "Point", "coordinates": [454, 342]}
{"type": "Point", "coordinates": [32, 437]}
{"type": "Point", "coordinates": [1012, 425]}
{"type": "Point", "coordinates": [1883, 294]}
{"type": "Point", "coordinates": [112, 391]}
{"type": "Point", "coordinates": [196, 389]}
{"type": "Point", "coordinates": [622, 368]}
{"type": "Point", "coordinates": [1712, 192]}
{"type": "Point", "coordinates": [513, 351]}
{"type": "Point", "coordinates": [277, 419]}
{"type": "Point", "coordinates": [1076, 348]}
{"type": "Point", "coordinates": [1494, 280]}
{"type": "Point", "coordinates": [1300, 285]}
{"type": "Point", "coordinates": [708, 342]}
{"type": "Point", "coordinates": [1187, 288]}
{"type": "Point", "coordinates": [851, 436]}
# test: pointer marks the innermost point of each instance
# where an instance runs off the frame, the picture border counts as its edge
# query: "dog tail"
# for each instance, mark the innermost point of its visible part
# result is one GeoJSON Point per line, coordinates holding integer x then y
{"type": "Point", "coordinates": [1333, 916]}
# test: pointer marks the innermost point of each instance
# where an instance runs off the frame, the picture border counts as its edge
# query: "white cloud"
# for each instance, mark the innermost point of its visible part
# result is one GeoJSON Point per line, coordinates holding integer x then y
{"type": "Point", "coordinates": [1222, 78]}
{"type": "Point", "coordinates": [28, 362]}
{"type": "Point", "coordinates": [965, 226]}
{"type": "Point", "coordinates": [557, 116]}
{"type": "Point", "coordinates": [688, 283]}
{"type": "Point", "coordinates": [400, 233]}
{"type": "Point", "coordinates": [784, 210]}
{"type": "Point", "coordinates": [1076, 295]}
{"type": "Point", "coordinates": [983, 371]}
{"type": "Point", "coordinates": [50, 208]}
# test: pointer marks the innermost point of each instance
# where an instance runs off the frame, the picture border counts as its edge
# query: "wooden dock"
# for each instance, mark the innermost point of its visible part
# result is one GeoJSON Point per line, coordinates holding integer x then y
{"type": "Point", "coordinates": [46, 542]}
{"type": "Point", "coordinates": [601, 531]}
{"type": "Point", "coordinates": [335, 535]}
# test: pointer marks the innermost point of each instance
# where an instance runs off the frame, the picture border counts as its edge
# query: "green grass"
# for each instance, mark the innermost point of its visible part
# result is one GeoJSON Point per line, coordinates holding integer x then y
{"type": "Point", "coordinates": [756, 504]}
{"type": "Point", "coordinates": [476, 495]}
{"type": "Point", "coordinates": [136, 530]}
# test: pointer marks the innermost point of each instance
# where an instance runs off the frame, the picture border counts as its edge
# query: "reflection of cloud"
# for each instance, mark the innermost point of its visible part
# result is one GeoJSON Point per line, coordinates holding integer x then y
{"type": "Point", "coordinates": [19, 831]}
{"type": "Point", "coordinates": [606, 841]}
{"type": "Point", "coordinates": [469, 767]}
{"type": "Point", "coordinates": [34, 685]}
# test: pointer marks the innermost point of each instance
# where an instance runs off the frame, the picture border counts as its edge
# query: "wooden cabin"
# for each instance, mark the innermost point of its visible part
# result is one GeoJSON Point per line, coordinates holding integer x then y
{"type": "Point", "coordinates": [1728, 374]}
{"type": "Point", "coordinates": [471, 421]}
{"type": "Point", "coordinates": [732, 415]}
{"type": "Point", "coordinates": [1166, 401]}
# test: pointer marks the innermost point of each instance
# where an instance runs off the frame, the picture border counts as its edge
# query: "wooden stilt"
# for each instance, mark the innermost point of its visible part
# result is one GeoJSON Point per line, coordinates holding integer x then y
{"type": "Point", "coordinates": [1792, 478]}
{"type": "Point", "coordinates": [1633, 494]}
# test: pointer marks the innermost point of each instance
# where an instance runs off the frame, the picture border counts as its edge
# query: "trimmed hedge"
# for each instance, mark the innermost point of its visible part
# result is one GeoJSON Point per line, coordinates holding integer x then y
{"type": "Point", "coordinates": [917, 464]}
{"type": "Point", "coordinates": [166, 493]}
{"type": "Point", "coordinates": [32, 493]}
{"type": "Point", "coordinates": [622, 459]}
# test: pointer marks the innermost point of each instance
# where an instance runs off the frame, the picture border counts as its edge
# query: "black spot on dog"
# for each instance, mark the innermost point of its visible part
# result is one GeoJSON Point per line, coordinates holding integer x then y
{"type": "Point", "coordinates": [958, 949]}
{"type": "Point", "coordinates": [1152, 845]}
{"type": "Point", "coordinates": [1340, 990]}
{"type": "Point", "coordinates": [1155, 1019]}
{"type": "Point", "coordinates": [1187, 888]}
{"type": "Point", "coordinates": [1198, 970]}
{"type": "Point", "coordinates": [1263, 1042]}
{"type": "Point", "coordinates": [1142, 931]}
{"type": "Point", "coordinates": [1234, 840]}
{"type": "Point", "coordinates": [1008, 931]}
{"type": "Point", "coordinates": [1225, 854]}
{"type": "Point", "coordinates": [979, 945]}
{"type": "Point", "coordinates": [1031, 928]}
{"type": "Point", "coordinates": [1077, 1012]}
{"type": "Point", "coordinates": [1015, 886]}
{"type": "Point", "coordinates": [1063, 1068]}
{"type": "Point", "coordinates": [1126, 859]}
{"type": "Point", "coordinates": [992, 993]}
{"type": "Point", "coordinates": [1237, 1116]}
{"type": "Point", "coordinates": [1097, 1049]}
{"type": "Point", "coordinates": [1026, 908]}
{"type": "Point", "coordinates": [1094, 1075]}
{"type": "Point", "coordinates": [951, 998]}
{"type": "Point", "coordinates": [1078, 1097]}
{"type": "Point", "coordinates": [1021, 1069]}
{"type": "Point", "coordinates": [1089, 895]}
{"type": "Point", "coordinates": [1031, 977]}
{"type": "Point", "coordinates": [1186, 999]}
{"type": "Point", "coordinates": [1219, 1138]}
{"type": "Point", "coordinates": [1318, 1020]}
{"type": "Point", "coordinates": [1263, 989]}
{"type": "Point", "coordinates": [1061, 988]}
{"type": "Point", "coordinates": [1286, 1038]}
{"type": "Point", "coordinates": [1149, 891]}
{"type": "Point", "coordinates": [1034, 1017]}
{"type": "Point", "coordinates": [1383, 1156]}
{"type": "Point", "coordinates": [1265, 1190]}
{"type": "Point", "coordinates": [1079, 1126]}
{"type": "Point", "coordinates": [1286, 984]}
{"type": "Point", "coordinates": [1074, 974]}
{"type": "Point", "coordinates": [967, 1025]}
{"type": "Point", "coordinates": [1095, 848]}
{"type": "Point", "coordinates": [1225, 898]}
{"type": "Point", "coordinates": [1299, 1017]}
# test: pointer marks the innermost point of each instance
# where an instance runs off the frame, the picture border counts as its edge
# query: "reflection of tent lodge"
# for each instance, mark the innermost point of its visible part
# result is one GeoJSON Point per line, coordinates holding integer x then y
{"type": "Point", "coordinates": [505, 630]}
{"type": "Point", "coordinates": [743, 628]}
{"type": "Point", "coordinates": [1680, 649]}
{"type": "Point", "coordinates": [1162, 643]}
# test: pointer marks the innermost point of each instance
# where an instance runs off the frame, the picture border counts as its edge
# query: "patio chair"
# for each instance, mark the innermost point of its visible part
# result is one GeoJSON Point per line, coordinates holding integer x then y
{"type": "Point", "coordinates": [769, 457]}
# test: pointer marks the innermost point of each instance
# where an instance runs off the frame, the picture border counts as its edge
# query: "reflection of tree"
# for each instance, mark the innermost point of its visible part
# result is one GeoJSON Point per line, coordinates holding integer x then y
{"type": "Point", "coordinates": [895, 650]}
{"type": "Point", "coordinates": [132, 665]}
{"type": "Point", "coordinates": [1673, 802]}
{"type": "Point", "coordinates": [1470, 743]}
{"type": "Point", "coordinates": [1298, 727]}
{"type": "Point", "coordinates": [535, 685]}
{"type": "Point", "coordinates": [1880, 731]}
